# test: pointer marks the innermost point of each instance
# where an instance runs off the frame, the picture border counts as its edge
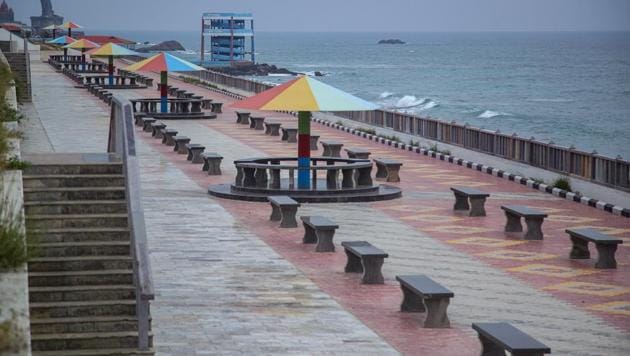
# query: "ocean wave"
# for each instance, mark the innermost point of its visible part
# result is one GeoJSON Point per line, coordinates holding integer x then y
{"type": "Point", "coordinates": [279, 75]}
{"type": "Point", "coordinates": [551, 100]}
{"type": "Point", "coordinates": [488, 114]}
{"type": "Point", "coordinates": [385, 95]}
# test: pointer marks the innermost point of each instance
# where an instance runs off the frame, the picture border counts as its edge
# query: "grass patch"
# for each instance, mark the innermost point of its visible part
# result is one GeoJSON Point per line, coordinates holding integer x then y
{"type": "Point", "coordinates": [16, 246]}
{"type": "Point", "coordinates": [14, 163]}
{"type": "Point", "coordinates": [367, 131]}
{"type": "Point", "coordinates": [537, 180]}
{"type": "Point", "coordinates": [414, 143]}
{"type": "Point", "coordinates": [563, 183]}
{"type": "Point", "coordinates": [393, 138]}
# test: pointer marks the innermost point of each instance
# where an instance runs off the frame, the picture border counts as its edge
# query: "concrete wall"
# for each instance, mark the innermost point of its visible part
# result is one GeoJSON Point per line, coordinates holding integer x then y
{"type": "Point", "coordinates": [33, 49]}
{"type": "Point", "coordinates": [21, 67]}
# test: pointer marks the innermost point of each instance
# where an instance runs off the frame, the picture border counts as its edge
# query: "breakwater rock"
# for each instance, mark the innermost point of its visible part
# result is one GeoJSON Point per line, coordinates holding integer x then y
{"type": "Point", "coordinates": [163, 46]}
{"type": "Point", "coordinates": [392, 41]}
{"type": "Point", "coordinates": [258, 69]}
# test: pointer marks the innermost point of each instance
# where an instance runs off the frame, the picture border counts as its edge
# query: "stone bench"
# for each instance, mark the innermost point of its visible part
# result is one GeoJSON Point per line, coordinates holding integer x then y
{"type": "Point", "coordinates": [387, 169]}
{"type": "Point", "coordinates": [420, 291]}
{"type": "Point", "coordinates": [320, 230]}
{"type": "Point", "coordinates": [146, 124]}
{"type": "Point", "coordinates": [256, 122]}
{"type": "Point", "coordinates": [477, 200]}
{"type": "Point", "coordinates": [313, 142]}
{"type": "Point", "coordinates": [283, 209]}
{"type": "Point", "coordinates": [533, 219]}
{"type": "Point", "coordinates": [358, 153]}
{"type": "Point", "coordinates": [242, 117]}
{"type": "Point", "coordinates": [167, 137]}
{"type": "Point", "coordinates": [180, 144]}
{"type": "Point", "coordinates": [606, 246]}
{"type": "Point", "coordinates": [212, 163]}
{"type": "Point", "coordinates": [289, 134]}
{"type": "Point", "coordinates": [331, 148]}
{"type": "Point", "coordinates": [272, 128]}
{"type": "Point", "coordinates": [216, 107]}
{"type": "Point", "coordinates": [156, 128]}
{"type": "Point", "coordinates": [194, 152]}
{"type": "Point", "coordinates": [497, 337]}
{"type": "Point", "coordinates": [364, 258]}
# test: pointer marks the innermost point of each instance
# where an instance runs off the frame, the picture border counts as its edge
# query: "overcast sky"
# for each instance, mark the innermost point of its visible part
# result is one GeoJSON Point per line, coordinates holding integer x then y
{"type": "Point", "coordinates": [346, 15]}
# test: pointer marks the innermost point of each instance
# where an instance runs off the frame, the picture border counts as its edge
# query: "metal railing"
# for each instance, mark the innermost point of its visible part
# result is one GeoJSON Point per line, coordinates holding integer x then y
{"type": "Point", "coordinates": [612, 172]}
{"type": "Point", "coordinates": [122, 141]}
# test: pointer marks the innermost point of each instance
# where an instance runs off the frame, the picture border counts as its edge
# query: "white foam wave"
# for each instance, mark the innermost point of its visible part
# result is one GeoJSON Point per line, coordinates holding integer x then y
{"type": "Point", "coordinates": [488, 114]}
{"type": "Point", "coordinates": [551, 100]}
{"type": "Point", "coordinates": [279, 75]}
{"type": "Point", "coordinates": [428, 105]}
{"type": "Point", "coordinates": [409, 101]}
{"type": "Point", "coordinates": [385, 95]}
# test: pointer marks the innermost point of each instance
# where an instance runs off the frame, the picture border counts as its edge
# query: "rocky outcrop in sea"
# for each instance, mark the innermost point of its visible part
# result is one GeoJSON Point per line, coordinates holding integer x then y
{"type": "Point", "coordinates": [392, 41]}
{"type": "Point", "coordinates": [165, 46]}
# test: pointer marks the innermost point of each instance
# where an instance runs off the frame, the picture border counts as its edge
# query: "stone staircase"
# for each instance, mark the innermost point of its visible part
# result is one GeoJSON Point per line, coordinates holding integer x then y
{"type": "Point", "coordinates": [81, 285]}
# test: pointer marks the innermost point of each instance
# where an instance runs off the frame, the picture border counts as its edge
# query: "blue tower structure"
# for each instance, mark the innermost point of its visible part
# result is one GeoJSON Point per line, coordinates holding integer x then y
{"type": "Point", "coordinates": [229, 35]}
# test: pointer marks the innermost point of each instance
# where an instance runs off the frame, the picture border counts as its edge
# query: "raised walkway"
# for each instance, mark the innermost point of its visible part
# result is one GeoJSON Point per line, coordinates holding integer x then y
{"type": "Point", "coordinates": [228, 281]}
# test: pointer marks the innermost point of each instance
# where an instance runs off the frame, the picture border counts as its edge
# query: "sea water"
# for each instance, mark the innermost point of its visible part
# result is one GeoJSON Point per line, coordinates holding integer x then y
{"type": "Point", "coordinates": [572, 88]}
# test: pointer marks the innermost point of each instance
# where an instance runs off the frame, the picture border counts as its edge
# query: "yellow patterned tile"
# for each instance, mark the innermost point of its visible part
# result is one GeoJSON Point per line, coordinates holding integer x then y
{"type": "Point", "coordinates": [431, 218]}
{"type": "Point", "coordinates": [552, 271]}
{"type": "Point", "coordinates": [621, 307]}
{"type": "Point", "coordinates": [457, 229]}
{"type": "Point", "coordinates": [571, 219]}
{"type": "Point", "coordinates": [601, 290]}
{"type": "Point", "coordinates": [517, 255]}
{"type": "Point", "coordinates": [486, 242]}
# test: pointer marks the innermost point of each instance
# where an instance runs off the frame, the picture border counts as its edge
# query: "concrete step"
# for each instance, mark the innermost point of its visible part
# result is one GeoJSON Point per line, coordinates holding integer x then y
{"type": "Point", "coordinates": [81, 168]}
{"type": "Point", "coordinates": [82, 341]}
{"type": "Point", "coordinates": [73, 180]}
{"type": "Point", "coordinates": [82, 308]}
{"type": "Point", "coordinates": [83, 234]}
{"type": "Point", "coordinates": [80, 220]}
{"type": "Point", "coordinates": [71, 278]}
{"type": "Point", "coordinates": [76, 249]}
{"type": "Point", "coordinates": [75, 207]}
{"type": "Point", "coordinates": [97, 352]}
{"type": "Point", "coordinates": [81, 293]}
{"type": "Point", "coordinates": [80, 263]}
{"type": "Point", "coordinates": [90, 324]}
{"type": "Point", "coordinates": [79, 193]}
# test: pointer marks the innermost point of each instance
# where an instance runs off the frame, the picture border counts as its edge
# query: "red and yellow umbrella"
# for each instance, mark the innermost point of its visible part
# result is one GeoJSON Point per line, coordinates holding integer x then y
{"type": "Point", "coordinates": [69, 26]}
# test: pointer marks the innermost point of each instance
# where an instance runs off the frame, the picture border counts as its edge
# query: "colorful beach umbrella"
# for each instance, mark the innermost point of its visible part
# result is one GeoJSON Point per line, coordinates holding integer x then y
{"type": "Point", "coordinates": [52, 28]}
{"type": "Point", "coordinates": [62, 41]}
{"type": "Point", "coordinates": [69, 26]}
{"type": "Point", "coordinates": [164, 63]}
{"type": "Point", "coordinates": [111, 50]}
{"type": "Point", "coordinates": [304, 95]}
{"type": "Point", "coordinates": [82, 45]}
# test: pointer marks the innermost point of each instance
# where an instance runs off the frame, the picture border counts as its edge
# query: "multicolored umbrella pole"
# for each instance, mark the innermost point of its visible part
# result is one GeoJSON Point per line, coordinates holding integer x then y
{"type": "Point", "coordinates": [69, 26]}
{"type": "Point", "coordinates": [111, 50]}
{"type": "Point", "coordinates": [63, 41]}
{"type": "Point", "coordinates": [83, 45]}
{"type": "Point", "coordinates": [164, 63]}
{"type": "Point", "coordinates": [304, 95]}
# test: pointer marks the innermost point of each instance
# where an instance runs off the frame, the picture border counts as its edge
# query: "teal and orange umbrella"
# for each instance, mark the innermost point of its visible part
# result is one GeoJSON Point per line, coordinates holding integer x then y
{"type": "Point", "coordinates": [304, 95]}
{"type": "Point", "coordinates": [69, 26]}
{"type": "Point", "coordinates": [164, 63]}
{"type": "Point", "coordinates": [111, 50]}
{"type": "Point", "coordinates": [63, 41]}
{"type": "Point", "coordinates": [82, 45]}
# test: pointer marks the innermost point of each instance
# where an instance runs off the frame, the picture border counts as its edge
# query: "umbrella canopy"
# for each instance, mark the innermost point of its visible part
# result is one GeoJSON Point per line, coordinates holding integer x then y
{"type": "Point", "coordinates": [69, 26]}
{"type": "Point", "coordinates": [164, 62]}
{"type": "Point", "coordinates": [50, 27]}
{"type": "Point", "coordinates": [63, 40]}
{"type": "Point", "coordinates": [82, 44]}
{"type": "Point", "coordinates": [111, 50]}
{"type": "Point", "coordinates": [305, 94]}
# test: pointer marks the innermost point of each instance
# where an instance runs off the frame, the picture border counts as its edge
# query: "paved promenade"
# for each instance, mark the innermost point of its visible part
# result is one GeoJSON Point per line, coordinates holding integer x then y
{"type": "Point", "coordinates": [229, 281]}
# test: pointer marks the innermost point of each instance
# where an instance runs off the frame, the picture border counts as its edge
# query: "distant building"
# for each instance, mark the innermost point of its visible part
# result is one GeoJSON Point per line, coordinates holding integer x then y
{"type": "Point", "coordinates": [231, 38]}
{"type": "Point", "coordinates": [6, 13]}
{"type": "Point", "coordinates": [47, 18]}
{"type": "Point", "coordinates": [103, 39]}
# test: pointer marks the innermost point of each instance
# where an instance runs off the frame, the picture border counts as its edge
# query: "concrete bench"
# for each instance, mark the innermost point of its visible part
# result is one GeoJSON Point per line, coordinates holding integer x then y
{"type": "Point", "coordinates": [387, 169]}
{"type": "Point", "coordinates": [216, 107]}
{"type": "Point", "coordinates": [533, 219]}
{"type": "Point", "coordinates": [212, 163]}
{"type": "Point", "coordinates": [606, 246]}
{"type": "Point", "coordinates": [257, 122]}
{"type": "Point", "coordinates": [420, 291]}
{"type": "Point", "coordinates": [272, 128]}
{"type": "Point", "coordinates": [477, 200]}
{"type": "Point", "coordinates": [242, 117]}
{"type": "Point", "coordinates": [167, 137]}
{"type": "Point", "coordinates": [358, 153]}
{"type": "Point", "coordinates": [364, 258]}
{"type": "Point", "coordinates": [331, 148]}
{"type": "Point", "coordinates": [289, 134]}
{"type": "Point", "coordinates": [194, 152]}
{"type": "Point", "coordinates": [146, 124]}
{"type": "Point", "coordinates": [497, 337]}
{"type": "Point", "coordinates": [320, 230]}
{"type": "Point", "coordinates": [180, 144]}
{"type": "Point", "coordinates": [283, 209]}
{"type": "Point", "coordinates": [156, 129]}
{"type": "Point", "coordinates": [314, 139]}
